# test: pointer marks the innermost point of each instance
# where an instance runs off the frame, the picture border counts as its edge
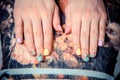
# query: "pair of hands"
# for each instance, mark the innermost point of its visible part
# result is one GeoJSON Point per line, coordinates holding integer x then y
{"type": "Point", "coordinates": [85, 20]}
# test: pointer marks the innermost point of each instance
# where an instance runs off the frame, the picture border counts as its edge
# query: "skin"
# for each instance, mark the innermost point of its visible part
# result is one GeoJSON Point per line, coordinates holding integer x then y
{"type": "Point", "coordinates": [87, 24]}
{"type": "Point", "coordinates": [33, 23]}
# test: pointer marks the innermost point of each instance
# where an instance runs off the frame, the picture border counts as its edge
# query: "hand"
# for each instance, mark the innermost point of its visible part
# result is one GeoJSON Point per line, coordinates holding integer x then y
{"type": "Point", "coordinates": [33, 24]}
{"type": "Point", "coordinates": [86, 20]}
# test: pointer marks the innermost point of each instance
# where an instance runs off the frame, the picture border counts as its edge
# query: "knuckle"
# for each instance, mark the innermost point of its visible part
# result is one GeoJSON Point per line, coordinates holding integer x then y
{"type": "Point", "coordinates": [47, 29]}
{"type": "Point", "coordinates": [94, 32]}
{"type": "Point", "coordinates": [75, 32]}
{"type": "Point", "coordinates": [102, 37]}
{"type": "Point", "coordinates": [31, 47]}
{"type": "Point", "coordinates": [102, 28]}
{"type": "Point", "coordinates": [104, 15]}
{"type": "Point", "coordinates": [38, 34]}
{"type": "Point", "coordinates": [46, 32]}
{"type": "Point", "coordinates": [46, 13]}
{"type": "Point", "coordinates": [96, 14]}
{"type": "Point", "coordinates": [92, 47]}
{"type": "Point", "coordinates": [87, 13]}
{"type": "Point", "coordinates": [28, 31]}
{"type": "Point", "coordinates": [84, 49]}
{"type": "Point", "coordinates": [84, 34]}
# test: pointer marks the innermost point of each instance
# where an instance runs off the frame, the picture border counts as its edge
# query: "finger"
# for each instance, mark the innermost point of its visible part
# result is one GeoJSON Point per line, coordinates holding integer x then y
{"type": "Point", "coordinates": [28, 35]}
{"type": "Point", "coordinates": [47, 30]}
{"type": "Point", "coordinates": [19, 29]}
{"type": "Point", "coordinates": [93, 37]}
{"type": "Point", "coordinates": [38, 36]}
{"type": "Point", "coordinates": [34, 60]}
{"type": "Point", "coordinates": [56, 20]}
{"type": "Point", "coordinates": [85, 38]}
{"type": "Point", "coordinates": [68, 21]}
{"type": "Point", "coordinates": [76, 23]}
{"type": "Point", "coordinates": [102, 27]}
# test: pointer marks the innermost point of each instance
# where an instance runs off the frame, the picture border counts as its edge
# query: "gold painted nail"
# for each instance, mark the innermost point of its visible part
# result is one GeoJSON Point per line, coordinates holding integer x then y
{"type": "Point", "coordinates": [78, 51]}
{"type": "Point", "coordinates": [46, 52]}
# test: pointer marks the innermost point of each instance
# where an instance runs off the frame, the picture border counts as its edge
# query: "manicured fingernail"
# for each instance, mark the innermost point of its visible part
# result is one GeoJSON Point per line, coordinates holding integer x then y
{"type": "Point", "coordinates": [33, 53]}
{"type": "Point", "coordinates": [46, 52]}
{"type": "Point", "coordinates": [100, 43]}
{"type": "Point", "coordinates": [67, 30]}
{"type": "Point", "coordinates": [40, 58]}
{"type": "Point", "coordinates": [92, 54]}
{"type": "Point", "coordinates": [59, 28]}
{"type": "Point", "coordinates": [19, 40]}
{"type": "Point", "coordinates": [78, 51]}
{"type": "Point", "coordinates": [86, 58]}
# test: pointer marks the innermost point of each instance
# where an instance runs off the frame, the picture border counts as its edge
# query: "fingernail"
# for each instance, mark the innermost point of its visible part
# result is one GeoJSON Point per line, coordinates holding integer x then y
{"type": "Point", "coordinates": [33, 53]}
{"type": "Point", "coordinates": [100, 43]}
{"type": "Point", "coordinates": [92, 54]}
{"type": "Point", "coordinates": [39, 57]}
{"type": "Point", "coordinates": [46, 52]}
{"type": "Point", "coordinates": [67, 30]}
{"type": "Point", "coordinates": [86, 58]}
{"type": "Point", "coordinates": [59, 28]}
{"type": "Point", "coordinates": [78, 51]}
{"type": "Point", "coordinates": [19, 40]}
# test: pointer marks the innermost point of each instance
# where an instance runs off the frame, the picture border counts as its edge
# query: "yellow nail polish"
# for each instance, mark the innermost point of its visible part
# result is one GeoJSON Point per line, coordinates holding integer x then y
{"type": "Point", "coordinates": [78, 51]}
{"type": "Point", "coordinates": [46, 52]}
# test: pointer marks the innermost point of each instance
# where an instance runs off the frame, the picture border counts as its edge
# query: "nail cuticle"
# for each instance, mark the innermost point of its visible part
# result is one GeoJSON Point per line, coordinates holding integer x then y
{"type": "Point", "coordinates": [92, 54]}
